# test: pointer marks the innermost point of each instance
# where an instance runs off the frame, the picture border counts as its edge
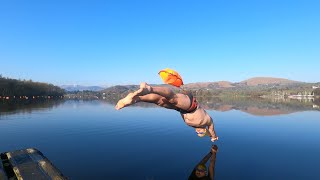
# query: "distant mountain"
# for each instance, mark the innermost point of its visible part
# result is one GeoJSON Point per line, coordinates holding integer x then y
{"type": "Point", "coordinates": [256, 81]}
{"type": "Point", "coordinates": [209, 85]}
{"type": "Point", "coordinates": [267, 81]}
{"type": "Point", "coordinates": [81, 88]}
{"type": "Point", "coordinates": [257, 86]}
{"type": "Point", "coordinates": [125, 88]}
{"type": "Point", "coordinates": [119, 89]}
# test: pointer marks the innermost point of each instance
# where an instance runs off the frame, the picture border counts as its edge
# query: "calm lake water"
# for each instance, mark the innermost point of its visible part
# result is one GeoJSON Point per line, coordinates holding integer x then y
{"type": "Point", "coordinates": [91, 140]}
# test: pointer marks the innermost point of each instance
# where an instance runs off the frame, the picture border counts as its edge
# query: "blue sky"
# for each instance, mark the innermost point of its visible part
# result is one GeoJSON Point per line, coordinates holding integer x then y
{"type": "Point", "coordinates": [127, 42]}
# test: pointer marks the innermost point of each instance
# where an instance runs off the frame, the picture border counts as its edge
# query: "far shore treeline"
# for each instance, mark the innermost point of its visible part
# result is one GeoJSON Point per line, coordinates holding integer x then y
{"type": "Point", "coordinates": [255, 87]}
{"type": "Point", "coordinates": [13, 88]}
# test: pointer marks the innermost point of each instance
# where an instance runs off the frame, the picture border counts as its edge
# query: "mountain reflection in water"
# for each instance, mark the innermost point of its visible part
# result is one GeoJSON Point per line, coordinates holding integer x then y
{"type": "Point", "coordinates": [254, 106]}
{"type": "Point", "coordinates": [27, 106]}
{"type": "Point", "coordinates": [153, 143]}
{"type": "Point", "coordinates": [258, 106]}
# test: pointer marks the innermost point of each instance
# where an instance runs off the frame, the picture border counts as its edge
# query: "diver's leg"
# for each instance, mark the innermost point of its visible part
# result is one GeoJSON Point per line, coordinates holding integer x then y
{"type": "Point", "coordinates": [157, 99]}
{"type": "Point", "coordinates": [150, 98]}
{"type": "Point", "coordinates": [212, 132]}
{"type": "Point", "coordinates": [126, 101]}
{"type": "Point", "coordinates": [214, 150]}
{"type": "Point", "coordinates": [133, 98]}
{"type": "Point", "coordinates": [179, 100]}
{"type": "Point", "coordinates": [162, 91]}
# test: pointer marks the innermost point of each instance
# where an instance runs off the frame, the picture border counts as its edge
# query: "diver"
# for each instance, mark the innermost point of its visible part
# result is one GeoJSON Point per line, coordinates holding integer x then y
{"type": "Point", "coordinates": [191, 111]}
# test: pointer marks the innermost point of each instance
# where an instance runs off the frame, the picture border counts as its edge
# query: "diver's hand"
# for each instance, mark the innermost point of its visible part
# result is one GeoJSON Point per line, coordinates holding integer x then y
{"type": "Point", "coordinates": [214, 148]}
{"type": "Point", "coordinates": [214, 138]}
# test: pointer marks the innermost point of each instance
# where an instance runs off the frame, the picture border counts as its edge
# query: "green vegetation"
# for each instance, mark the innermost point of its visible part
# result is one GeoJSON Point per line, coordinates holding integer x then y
{"type": "Point", "coordinates": [258, 91]}
{"type": "Point", "coordinates": [13, 87]}
{"type": "Point", "coordinates": [27, 106]}
{"type": "Point", "coordinates": [286, 105]}
{"type": "Point", "coordinates": [317, 92]}
{"type": "Point", "coordinates": [83, 95]}
{"type": "Point", "coordinates": [272, 91]}
{"type": "Point", "coordinates": [317, 101]}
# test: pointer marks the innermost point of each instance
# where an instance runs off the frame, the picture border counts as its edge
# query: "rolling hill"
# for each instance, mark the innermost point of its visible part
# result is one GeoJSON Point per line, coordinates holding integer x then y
{"type": "Point", "coordinates": [256, 81]}
{"type": "Point", "coordinates": [267, 81]}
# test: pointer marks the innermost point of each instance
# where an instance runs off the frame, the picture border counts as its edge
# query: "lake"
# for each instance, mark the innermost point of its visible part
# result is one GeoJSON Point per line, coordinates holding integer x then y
{"type": "Point", "coordinates": [91, 140]}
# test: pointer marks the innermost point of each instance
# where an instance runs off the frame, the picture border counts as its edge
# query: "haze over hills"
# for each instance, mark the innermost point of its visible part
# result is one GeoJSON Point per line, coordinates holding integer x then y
{"type": "Point", "coordinates": [81, 88]}
{"type": "Point", "coordinates": [249, 83]}
{"type": "Point", "coordinates": [256, 86]}
{"type": "Point", "coordinates": [222, 84]}
{"type": "Point", "coordinates": [267, 80]}
{"type": "Point", "coordinates": [256, 81]}
{"type": "Point", "coordinates": [265, 87]}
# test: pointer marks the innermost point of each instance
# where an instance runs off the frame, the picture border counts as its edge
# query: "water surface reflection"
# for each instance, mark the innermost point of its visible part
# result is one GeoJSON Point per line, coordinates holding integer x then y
{"type": "Point", "coordinates": [201, 171]}
{"type": "Point", "coordinates": [258, 106]}
{"type": "Point", "coordinates": [254, 106]}
{"type": "Point", "coordinates": [17, 106]}
{"type": "Point", "coordinates": [91, 140]}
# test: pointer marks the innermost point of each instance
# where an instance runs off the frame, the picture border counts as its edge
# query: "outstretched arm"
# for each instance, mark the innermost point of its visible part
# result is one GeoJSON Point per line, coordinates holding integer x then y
{"type": "Point", "coordinates": [214, 150]}
{"type": "Point", "coordinates": [202, 162]}
{"type": "Point", "coordinates": [212, 132]}
{"type": "Point", "coordinates": [205, 159]}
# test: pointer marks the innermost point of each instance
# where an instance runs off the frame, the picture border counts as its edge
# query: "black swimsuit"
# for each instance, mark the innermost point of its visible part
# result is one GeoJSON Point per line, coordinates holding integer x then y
{"type": "Point", "coordinates": [193, 104]}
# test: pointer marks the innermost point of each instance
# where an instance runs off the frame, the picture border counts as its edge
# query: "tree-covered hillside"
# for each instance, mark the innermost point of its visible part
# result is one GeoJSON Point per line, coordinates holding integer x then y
{"type": "Point", "coordinates": [14, 87]}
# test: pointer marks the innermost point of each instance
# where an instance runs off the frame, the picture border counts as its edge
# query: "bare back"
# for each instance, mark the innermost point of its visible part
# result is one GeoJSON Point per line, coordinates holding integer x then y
{"type": "Point", "coordinates": [198, 118]}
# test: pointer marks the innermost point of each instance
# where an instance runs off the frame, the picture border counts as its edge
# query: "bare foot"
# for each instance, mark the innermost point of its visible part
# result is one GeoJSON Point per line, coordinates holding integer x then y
{"type": "Point", "coordinates": [144, 89]}
{"type": "Point", "coordinates": [128, 100]}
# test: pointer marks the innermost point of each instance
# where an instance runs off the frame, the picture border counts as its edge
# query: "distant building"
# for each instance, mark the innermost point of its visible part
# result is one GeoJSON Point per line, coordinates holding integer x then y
{"type": "Point", "coordinates": [315, 87]}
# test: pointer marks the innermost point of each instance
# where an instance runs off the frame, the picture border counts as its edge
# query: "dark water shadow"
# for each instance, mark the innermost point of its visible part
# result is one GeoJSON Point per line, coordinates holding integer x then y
{"type": "Point", "coordinates": [9, 107]}
{"type": "Point", "coordinates": [205, 168]}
